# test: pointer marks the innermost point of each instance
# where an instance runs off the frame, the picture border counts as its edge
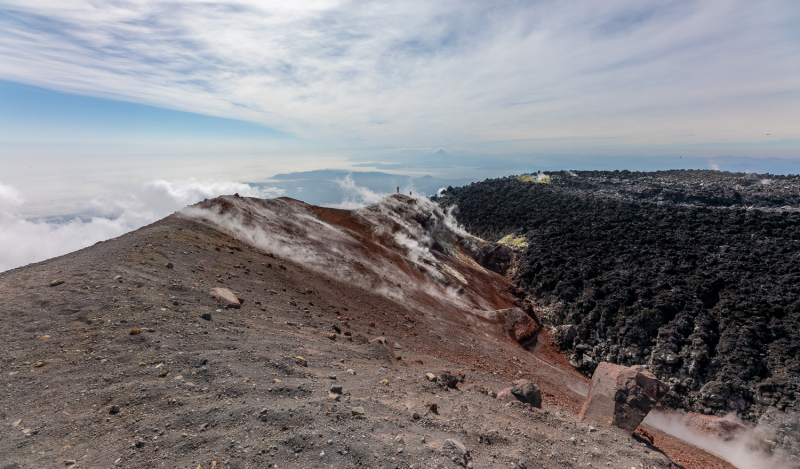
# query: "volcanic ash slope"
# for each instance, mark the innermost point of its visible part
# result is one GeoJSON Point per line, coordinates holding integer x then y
{"type": "Point", "coordinates": [117, 356]}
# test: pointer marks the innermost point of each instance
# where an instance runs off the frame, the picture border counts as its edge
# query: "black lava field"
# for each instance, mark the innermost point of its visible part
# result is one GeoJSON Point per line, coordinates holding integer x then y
{"type": "Point", "coordinates": [695, 274]}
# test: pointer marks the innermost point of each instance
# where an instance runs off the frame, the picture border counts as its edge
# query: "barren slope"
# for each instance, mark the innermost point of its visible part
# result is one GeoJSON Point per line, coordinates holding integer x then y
{"type": "Point", "coordinates": [115, 367]}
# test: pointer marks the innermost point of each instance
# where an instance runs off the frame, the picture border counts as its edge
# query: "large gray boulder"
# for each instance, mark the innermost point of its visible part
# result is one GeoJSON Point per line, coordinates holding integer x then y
{"type": "Point", "coordinates": [622, 396]}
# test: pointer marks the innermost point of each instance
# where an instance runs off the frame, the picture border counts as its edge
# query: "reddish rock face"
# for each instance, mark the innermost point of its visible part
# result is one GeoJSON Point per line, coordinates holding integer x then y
{"type": "Point", "coordinates": [621, 395]}
{"type": "Point", "coordinates": [226, 298]}
{"type": "Point", "coordinates": [517, 324]}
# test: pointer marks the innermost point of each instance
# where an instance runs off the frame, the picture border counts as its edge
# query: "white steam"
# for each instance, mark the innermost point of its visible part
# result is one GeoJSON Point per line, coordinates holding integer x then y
{"type": "Point", "coordinates": [390, 253]}
{"type": "Point", "coordinates": [742, 450]}
{"type": "Point", "coordinates": [25, 241]}
{"type": "Point", "coordinates": [355, 196]}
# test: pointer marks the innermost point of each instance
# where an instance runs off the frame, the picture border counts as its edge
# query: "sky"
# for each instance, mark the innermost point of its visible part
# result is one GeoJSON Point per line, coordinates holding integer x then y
{"type": "Point", "coordinates": [102, 100]}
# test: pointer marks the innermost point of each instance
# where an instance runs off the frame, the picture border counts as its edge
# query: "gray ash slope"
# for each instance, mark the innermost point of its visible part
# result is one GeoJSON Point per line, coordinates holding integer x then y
{"type": "Point", "coordinates": [695, 274]}
{"type": "Point", "coordinates": [125, 361]}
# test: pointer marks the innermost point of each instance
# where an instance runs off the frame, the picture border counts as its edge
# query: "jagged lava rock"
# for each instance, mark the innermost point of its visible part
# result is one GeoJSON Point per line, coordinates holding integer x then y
{"type": "Point", "coordinates": [226, 298]}
{"type": "Point", "coordinates": [565, 335]}
{"type": "Point", "coordinates": [621, 395]}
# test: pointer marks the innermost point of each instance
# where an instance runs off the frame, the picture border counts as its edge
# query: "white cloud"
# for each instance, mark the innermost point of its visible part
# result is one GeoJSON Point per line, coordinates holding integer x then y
{"type": "Point", "coordinates": [416, 73]}
{"type": "Point", "coordinates": [27, 241]}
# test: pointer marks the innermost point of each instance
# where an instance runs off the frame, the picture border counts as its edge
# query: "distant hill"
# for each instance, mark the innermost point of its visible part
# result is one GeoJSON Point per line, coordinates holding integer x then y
{"type": "Point", "coordinates": [327, 187]}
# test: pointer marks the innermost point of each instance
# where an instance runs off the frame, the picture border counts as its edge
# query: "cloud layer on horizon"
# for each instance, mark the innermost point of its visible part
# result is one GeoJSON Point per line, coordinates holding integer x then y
{"type": "Point", "coordinates": [27, 241]}
{"type": "Point", "coordinates": [431, 74]}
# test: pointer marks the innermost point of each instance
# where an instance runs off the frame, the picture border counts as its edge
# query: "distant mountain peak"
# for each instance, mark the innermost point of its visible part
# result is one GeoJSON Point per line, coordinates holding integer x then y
{"type": "Point", "coordinates": [442, 153]}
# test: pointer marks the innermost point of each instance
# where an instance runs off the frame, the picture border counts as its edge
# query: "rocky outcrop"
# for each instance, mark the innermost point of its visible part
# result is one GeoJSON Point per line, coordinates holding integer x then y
{"type": "Point", "coordinates": [517, 324]}
{"type": "Point", "coordinates": [496, 257]}
{"type": "Point", "coordinates": [622, 396]}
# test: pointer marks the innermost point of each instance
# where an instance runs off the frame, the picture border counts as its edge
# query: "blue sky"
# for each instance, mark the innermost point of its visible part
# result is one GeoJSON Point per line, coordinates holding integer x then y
{"type": "Point", "coordinates": [500, 76]}
{"type": "Point", "coordinates": [100, 99]}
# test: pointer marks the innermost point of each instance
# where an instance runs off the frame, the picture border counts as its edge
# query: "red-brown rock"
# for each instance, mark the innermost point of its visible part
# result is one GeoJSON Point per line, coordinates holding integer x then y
{"type": "Point", "coordinates": [622, 396]}
{"type": "Point", "coordinates": [517, 324]}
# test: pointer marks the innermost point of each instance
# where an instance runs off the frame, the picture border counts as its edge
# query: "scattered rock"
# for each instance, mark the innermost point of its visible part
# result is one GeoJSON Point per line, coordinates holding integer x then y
{"type": "Point", "coordinates": [448, 379]}
{"type": "Point", "coordinates": [206, 316]}
{"type": "Point", "coordinates": [332, 336]}
{"type": "Point", "coordinates": [56, 283]}
{"type": "Point", "coordinates": [524, 391]}
{"type": "Point", "coordinates": [622, 396]}
{"type": "Point", "coordinates": [433, 407]}
{"type": "Point", "coordinates": [113, 410]}
{"type": "Point", "coordinates": [383, 349]}
{"type": "Point", "coordinates": [226, 298]}
{"type": "Point", "coordinates": [456, 451]}
{"type": "Point", "coordinates": [301, 361]}
{"type": "Point", "coordinates": [357, 411]}
{"type": "Point", "coordinates": [70, 462]}
{"type": "Point", "coordinates": [431, 377]}
{"type": "Point", "coordinates": [336, 388]}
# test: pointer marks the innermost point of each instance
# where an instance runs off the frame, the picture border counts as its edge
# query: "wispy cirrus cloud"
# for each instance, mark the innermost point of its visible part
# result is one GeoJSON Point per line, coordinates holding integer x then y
{"type": "Point", "coordinates": [404, 74]}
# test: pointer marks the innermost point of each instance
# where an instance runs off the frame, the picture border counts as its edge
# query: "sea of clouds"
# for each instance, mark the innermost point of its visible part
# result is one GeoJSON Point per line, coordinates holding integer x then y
{"type": "Point", "coordinates": [25, 241]}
